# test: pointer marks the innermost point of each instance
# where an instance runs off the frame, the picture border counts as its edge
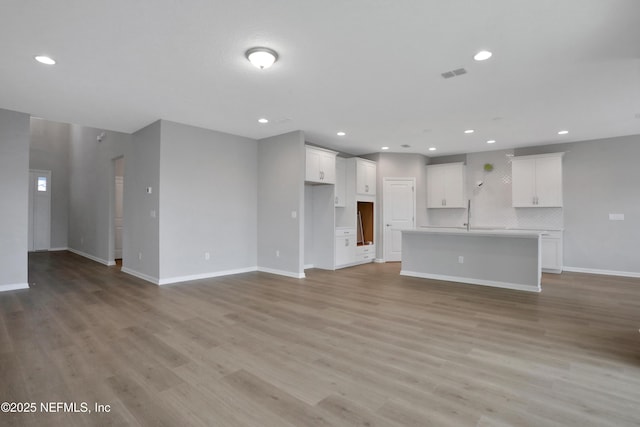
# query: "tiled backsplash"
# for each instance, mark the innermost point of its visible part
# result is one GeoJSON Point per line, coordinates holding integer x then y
{"type": "Point", "coordinates": [491, 202]}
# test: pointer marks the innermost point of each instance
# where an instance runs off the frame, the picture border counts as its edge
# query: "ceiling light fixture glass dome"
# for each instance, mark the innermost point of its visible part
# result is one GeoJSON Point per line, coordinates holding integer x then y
{"type": "Point", "coordinates": [262, 57]}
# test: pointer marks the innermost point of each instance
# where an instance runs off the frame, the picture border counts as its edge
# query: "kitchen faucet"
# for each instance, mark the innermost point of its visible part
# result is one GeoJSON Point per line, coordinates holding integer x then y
{"type": "Point", "coordinates": [468, 223]}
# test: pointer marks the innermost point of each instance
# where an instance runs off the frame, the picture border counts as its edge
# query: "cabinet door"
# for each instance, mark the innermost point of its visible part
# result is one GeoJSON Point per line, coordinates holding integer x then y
{"type": "Point", "coordinates": [551, 253]}
{"type": "Point", "coordinates": [312, 168]}
{"type": "Point", "coordinates": [549, 182]}
{"type": "Point", "coordinates": [345, 250]}
{"type": "Point", "coordinates": [328, 167]}
{"type": "Point", "coordinates": [365, 177]}
{"type": "Point", "coordinates": [523, 182]}
{"type": "Point", "coordinates": [341, 182]}
{"type": "Point", "coordinates": [454, 186]}
{"type": "Point", "coordinates": [435, 188]}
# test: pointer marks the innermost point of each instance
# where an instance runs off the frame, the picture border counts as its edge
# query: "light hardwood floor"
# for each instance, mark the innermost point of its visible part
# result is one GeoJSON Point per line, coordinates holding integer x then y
{"type": "Point", "coordinates": [359, 346]}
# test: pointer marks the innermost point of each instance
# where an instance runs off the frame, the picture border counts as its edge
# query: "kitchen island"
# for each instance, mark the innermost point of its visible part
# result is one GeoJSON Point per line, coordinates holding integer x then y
{"type": "Point", "coordinates": [500, 258]}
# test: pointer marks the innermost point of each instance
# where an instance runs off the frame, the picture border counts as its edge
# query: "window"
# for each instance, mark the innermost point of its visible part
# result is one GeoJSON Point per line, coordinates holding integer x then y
{"type": "Point", "coordinates": [42, 183]}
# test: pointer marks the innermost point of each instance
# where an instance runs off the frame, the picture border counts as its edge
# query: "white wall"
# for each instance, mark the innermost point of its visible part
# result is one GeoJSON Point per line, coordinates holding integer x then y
{"type": "Point", "coordinates": [141, 234]}
{"type": "Point", "coordinates": [49, 150]}
{"type": "Point", "coordinates": [208, 202]}
{"type": "Point", "coordinates": [14, 188]}
{"type": "Point", "coordinates": [281, 163]}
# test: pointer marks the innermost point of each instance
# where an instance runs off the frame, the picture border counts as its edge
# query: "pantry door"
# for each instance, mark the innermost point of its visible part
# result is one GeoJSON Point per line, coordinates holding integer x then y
{"type": "Point", "coordinates": [399, 212]}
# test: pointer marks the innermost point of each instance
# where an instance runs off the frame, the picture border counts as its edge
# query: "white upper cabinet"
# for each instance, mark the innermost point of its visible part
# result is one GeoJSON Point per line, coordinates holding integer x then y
{"type": "Point", "coordinates": [446, 186]}
{"type": "Point", "coordinates": [341, 182]}
{"type": "Point", "coordinates": [321, 165]}
{"type": "Point", "coordinates": [537, 181]}
{"type": "Point", "coordinates": [365, 177]}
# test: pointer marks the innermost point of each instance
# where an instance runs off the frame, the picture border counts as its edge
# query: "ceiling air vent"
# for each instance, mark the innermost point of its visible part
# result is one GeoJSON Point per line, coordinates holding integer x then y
{"type": "Point", "coordinates": [405, 146]}
{"type": "Point", "coordinates": [454, 73]}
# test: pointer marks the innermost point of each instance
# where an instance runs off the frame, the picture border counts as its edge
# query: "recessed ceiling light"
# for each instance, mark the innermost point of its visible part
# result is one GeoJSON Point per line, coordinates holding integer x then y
{"type": "Point", "coordinates": [482, 55]}
{"type": "Point", "coordinates": [263, 120]}
{"type": "Point", "coordinates": [45, 60]}
{"type": "Point", "coordinates": [341, 133]}
{"type": "Point", "coordinates": [469, 131]}
{"type": "Point", "coordinates": [491, 141]}
{"type": "Point", "coordinates": [432, 148]}
{"type": "Point", "coordinates": [563, 132]}
{"type": "Point", "coordinates": [384, 148]}
{"type": "Point", "coordinates": [262, 57]}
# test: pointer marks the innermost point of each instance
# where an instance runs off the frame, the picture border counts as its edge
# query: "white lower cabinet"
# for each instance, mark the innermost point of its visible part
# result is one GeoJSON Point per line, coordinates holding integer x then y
{"type": "Point", "coordinates": [345, 246]}
{"type": "Point", "coordinates": [365, 253]}
{"type": "Point", "coordinates": [551, 243]}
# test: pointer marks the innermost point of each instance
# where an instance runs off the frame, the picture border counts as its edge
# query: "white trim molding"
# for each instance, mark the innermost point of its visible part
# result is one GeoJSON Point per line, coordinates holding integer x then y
{"type": "Point", "coordinates": [282, 272]}
{"type": "Point", "coordinates": [179, 279]}
{"type": "Point", "coordinates": [58, 249]}
{"type": "Point", "coordinates": [92, 258]}
{"type": "Point", "coordinates": [515, 286]}
{"type": "Point", "coordinates": [13, 287]}
{"type": "Point", "coordinates": [379, 260]}
{"type": "Point", "coordinates": [602, 272]}
{"type": "Point", "coordinates": [139, 275]}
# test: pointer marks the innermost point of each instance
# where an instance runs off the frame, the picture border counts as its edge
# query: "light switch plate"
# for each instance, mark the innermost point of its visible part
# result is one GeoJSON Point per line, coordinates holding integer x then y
{"type": "Point", "coordinates": [294, 214]}
{"type": "Point", "coordinates": [616, 217]}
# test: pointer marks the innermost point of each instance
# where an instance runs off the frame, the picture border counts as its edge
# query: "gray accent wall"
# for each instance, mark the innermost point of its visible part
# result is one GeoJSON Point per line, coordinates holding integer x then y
{"type": "Point", "coordinates": [141, 234]}
{"type": "Point", "coordinates": [600, 177]}
{"type": "Point", "coordinates": [49, 150]}
{"type": "Point", "coordinates": [208, 202]}
{"type": "Point", "coordinates": [281, 163]}
{"type": "Point", "coordinates": [14, 188]}
{"type": "Point", "coordinates": [91, 190]}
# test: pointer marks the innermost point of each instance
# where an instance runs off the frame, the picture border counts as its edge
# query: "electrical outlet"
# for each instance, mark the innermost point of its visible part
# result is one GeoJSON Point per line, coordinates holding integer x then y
{"type": "Point", "coordinates": [140, 255]}
{"type": "Point", "coordinates": [460, 259]}
{"type": "Point", "coordinates": [277, 253]}
{"type": "Point", "coordinates": [207, 256]}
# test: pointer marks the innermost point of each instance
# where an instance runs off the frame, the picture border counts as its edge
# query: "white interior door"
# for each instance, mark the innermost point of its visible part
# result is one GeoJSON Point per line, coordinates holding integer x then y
{"type": "Point", "coordinates": [399, 212]}
{"type": "Point", "coordinates": [117, 217]}
{"type": "Point", "coordinates": [39, 210]}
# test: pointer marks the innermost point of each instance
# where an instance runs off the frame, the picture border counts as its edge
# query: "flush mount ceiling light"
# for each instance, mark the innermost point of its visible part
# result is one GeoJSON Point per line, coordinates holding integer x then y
{"type": "Point", "coordinates": [262, 57]}
{"type": "Point", "coordinates": [263, 120]}
{"type": "Point", "coordinates": [469, 131]}
{"type": "Point", "coordinates": [482, 55]}
{"type": "Point", "coordinates": [341, 133]}
{"type": "Point", "coordinates": [45, 60]}
{"type": "Point", "coordinates": [491, 141]}
{"type": "Point", "coordinates": [563, 132]}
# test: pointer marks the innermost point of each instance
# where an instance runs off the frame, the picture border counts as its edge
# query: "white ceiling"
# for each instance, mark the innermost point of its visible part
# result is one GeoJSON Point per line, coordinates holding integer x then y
{"type": "Point", "coordinates": [368, 67]}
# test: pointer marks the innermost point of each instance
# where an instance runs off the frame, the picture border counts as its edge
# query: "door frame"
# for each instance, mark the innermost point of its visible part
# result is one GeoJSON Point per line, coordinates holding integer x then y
{"type": "Point", "coordinates": [112, 211]}
{"type": "Point", "coordinates": [384, 214]}
{"type": "Point", "coordinates": [31, 206]}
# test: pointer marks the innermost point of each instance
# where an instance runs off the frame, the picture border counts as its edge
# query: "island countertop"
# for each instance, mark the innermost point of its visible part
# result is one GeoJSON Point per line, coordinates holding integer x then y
{"type": "Point", "coordinates": [534, 234]}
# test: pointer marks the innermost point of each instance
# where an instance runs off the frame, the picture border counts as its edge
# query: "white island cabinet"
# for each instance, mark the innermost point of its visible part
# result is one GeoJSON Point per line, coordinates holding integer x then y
{"type": "Point", "coordinates": [500, 258]}
{"type": "Point", "coordinates": [537, 181]}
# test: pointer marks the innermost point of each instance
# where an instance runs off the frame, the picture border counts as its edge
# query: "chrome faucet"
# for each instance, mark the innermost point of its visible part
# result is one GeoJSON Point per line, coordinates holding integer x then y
{"type": "Point", "coordinates": [468, 223]}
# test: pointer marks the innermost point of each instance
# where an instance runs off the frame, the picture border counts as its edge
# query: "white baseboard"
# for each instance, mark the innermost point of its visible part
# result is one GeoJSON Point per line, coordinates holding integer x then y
{"type": "Point", "coordinates": [379, 261]}
{"type": "Point", "coordinates": [308, 266]}
{"type": "Point", "coordinates": [189, 278]}
{"type": "Point", "coordinates": [58, 249]}
{"type": "Point", "coordinates": [506, 285]}
{"type": "Point", "coordinates": [139, 275]}
{"type": "Point", "coordinates": [282, 273]}
{"type": "Point", "coordinates": [602, 272]}
{"type": "Point", "coordinates": [13, 287]}
{"type": "Point", "coordinates": [91, 257]}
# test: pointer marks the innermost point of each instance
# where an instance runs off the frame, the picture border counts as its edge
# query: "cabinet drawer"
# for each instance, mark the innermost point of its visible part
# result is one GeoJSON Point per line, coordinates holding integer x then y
{"type": "Point", "coordinates": [345, 232]}
{"type": "Point", "coordinates": [366, 250]}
